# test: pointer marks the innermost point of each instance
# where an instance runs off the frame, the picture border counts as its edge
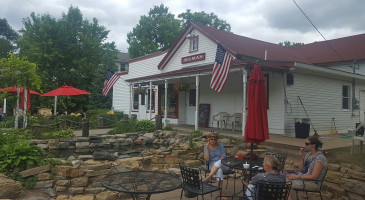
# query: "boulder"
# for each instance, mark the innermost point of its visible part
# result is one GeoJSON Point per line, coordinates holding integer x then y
{"type": "Point", "coordinates": [103, 155]}
{"type": "Point", "coordinates": [10, 189]}
{"type": "Point", "coordinates": [354, 186]}
{"type": "Point", "coordinates": [35, 170]}
{"type": "Point", "coordinates": [107, 195]}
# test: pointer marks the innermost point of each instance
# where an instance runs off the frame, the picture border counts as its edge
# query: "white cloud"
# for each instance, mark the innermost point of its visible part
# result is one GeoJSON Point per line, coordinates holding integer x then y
{"type": "Point", "coordinates": [268, 20]}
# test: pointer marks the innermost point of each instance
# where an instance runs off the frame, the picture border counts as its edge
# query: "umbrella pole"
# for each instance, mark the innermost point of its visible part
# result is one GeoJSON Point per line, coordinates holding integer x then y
{"type": "Point", "coordinates": [251, 152]}
{"type": "Point", "coordinates": [55, 106]}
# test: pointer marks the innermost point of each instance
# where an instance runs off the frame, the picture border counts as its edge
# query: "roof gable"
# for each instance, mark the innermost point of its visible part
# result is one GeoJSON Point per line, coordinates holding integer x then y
{"type": "Point", "coordinates": [337, 50]}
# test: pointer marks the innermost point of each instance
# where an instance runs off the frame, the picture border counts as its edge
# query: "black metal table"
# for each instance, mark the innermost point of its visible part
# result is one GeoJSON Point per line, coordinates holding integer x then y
{"type": "Point", "coordinates": [256, 166]}
{"type": "Point", "coordinates": [136, 183]}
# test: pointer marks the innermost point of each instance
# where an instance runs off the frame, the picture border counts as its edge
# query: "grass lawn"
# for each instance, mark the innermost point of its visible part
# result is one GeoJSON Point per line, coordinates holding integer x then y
{"type": "Point", "coordinates": [343, 155]}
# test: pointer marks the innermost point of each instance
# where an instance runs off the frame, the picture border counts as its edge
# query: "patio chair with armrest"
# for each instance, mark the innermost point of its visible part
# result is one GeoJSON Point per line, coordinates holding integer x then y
{"type": "Point", "coordinates": [206, 170]}
{"type": "Point", "coordinates": [320, 182]}
{"type": "Point", "coordinates": [236, 121]}
{"type": "Point", "coordinates": [192, 182]}
{"type": "Point", "coordinates": [221, 118]}
{"type": "Point", "coordinates": [270, 190]}
{"type": "Point", "coordinates": [358, 137]}
{"type": "Point", "coordinates": [281, 158]}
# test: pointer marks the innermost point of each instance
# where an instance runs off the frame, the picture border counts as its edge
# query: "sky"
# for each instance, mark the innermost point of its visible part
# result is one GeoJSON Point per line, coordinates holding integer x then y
{"type": "Point", "coordinates": [267, 20]}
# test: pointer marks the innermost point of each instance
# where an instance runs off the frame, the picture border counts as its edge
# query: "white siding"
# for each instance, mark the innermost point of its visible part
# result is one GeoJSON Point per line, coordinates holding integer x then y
{"type": "Point", "coordinates": [205, 46]}
{"type": "Point", "coordinates": [121, 96]}
{"type": "Point", "coordinates": [346, 68]}
{"type": "Point", "coordinates": [322, 98]}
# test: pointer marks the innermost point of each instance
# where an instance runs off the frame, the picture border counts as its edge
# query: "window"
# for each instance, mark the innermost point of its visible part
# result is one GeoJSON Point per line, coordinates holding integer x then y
{"type": "Point", "coordinates": [143, 99]}
{"type": "Point", "coordinates": [192, 97]}
{"type": "Point", "coordinates": [135, 101]}
{"type": "Point", "coordinates": [172, 101]}
{"type": "Point", "coordinates": [345, 97]}
{"type": "Point", "coordinates": [123, 67]}
{"type": "Point", "coordinates": [194, 44]}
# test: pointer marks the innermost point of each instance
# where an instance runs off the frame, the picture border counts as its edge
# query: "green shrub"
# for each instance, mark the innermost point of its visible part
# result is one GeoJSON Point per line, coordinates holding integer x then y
{"type": "Point", "coordinates": [123, 127]}
{"type": "Point", "coordinates": [7, 122]}
{"type": "Point", "coordinates": [145, 125]}
{"type": "Point", "coordinates": [19, 155]}
{"type": "Point", "coordinates": [50, 161]}
{"type": "Point", "coordinates": [27, 183]}
{"type": "Point", "coordinates": [197, 133]}
{"type": "Point", "coordinates": [11, 136]}
{"type": "Point", "coordinates": [168, 128]}
{"type": "Point", "coordinates": [67, 133]}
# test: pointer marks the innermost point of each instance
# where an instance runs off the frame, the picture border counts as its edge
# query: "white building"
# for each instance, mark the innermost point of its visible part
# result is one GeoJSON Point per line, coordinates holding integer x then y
{"type": "Point", "coordinates": [327, 77]}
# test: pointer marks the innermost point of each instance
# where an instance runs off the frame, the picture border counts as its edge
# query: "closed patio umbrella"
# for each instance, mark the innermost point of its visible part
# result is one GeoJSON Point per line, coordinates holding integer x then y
{"type": "Point", "coordinates": [65, 91]}
{"type": "Point", "coordinates": [257, 129]}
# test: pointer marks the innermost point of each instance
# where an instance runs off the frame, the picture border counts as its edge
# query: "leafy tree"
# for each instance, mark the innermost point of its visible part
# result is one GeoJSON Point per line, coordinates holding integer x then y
{"type": "Point", "coordinates": [8, 38]}
{"type": "Point", "coordinates": [156, 32]}
{"type": "Point", "coordinates": [159, 30]}
{"type": "Point", "coordinates": [290, 44]}
{"type": "Point", "coordinates": [211, 20]}
{"type": "Point", "coordinates": [68, 51]}
{"type": "Point", "coordinates": [20, 72]}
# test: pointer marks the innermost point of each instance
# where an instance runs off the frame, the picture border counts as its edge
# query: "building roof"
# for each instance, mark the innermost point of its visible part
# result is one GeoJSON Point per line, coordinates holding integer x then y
{"type": "Point", "coordinates": [318, 53]}
{"type": "Point", "coordinates": [244, 46]}
{"type": "Point", "coordinates": [337, 50]}
{"type": "Point", "coordinates": [123, 57]}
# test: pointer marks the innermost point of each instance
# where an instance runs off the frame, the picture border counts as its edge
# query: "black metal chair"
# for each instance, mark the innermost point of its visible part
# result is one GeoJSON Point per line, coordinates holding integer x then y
{"type": "Point", "coordinates": [193, 184]}
{"type": "Point", "coordinates": [271, 190]}
{"type": "Point", "coordinates": [320, 182]}
{"type": "Point", "coordinates": [206, 170]}
{"type": "Point", "coordinates": [281, 158]}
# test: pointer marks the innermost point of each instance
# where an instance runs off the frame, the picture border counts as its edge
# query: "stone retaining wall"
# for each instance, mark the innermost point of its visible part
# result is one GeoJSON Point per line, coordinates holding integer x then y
{"type": "Point", "coordinates": [81, 177]}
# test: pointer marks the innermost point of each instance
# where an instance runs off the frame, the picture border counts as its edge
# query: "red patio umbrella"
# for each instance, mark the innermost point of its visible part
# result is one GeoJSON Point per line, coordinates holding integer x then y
{"type": "Point", "coordinates": [13, 90]}
{"type": "Point", "coordinates": [29, 93]}
{"type": "Point", "coordinates": [256, 130]}
{"type": "Point", "coordinates": [64, 91]}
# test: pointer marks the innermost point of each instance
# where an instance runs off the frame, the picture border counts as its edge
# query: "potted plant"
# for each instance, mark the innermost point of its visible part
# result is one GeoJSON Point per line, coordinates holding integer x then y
{"type": "Point", "coordinates": [140, 90]}
{"type": "Point", "coordinates": [181, 86]}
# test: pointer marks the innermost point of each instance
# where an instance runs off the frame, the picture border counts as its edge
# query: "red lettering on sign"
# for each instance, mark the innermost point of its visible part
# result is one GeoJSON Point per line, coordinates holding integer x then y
{"type": "Point", "coordinates": [193, 58]}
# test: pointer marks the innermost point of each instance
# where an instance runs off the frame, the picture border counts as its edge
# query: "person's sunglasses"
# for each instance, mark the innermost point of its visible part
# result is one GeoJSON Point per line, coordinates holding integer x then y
{"type": "Point", "coordinates": [307, 143]}
{"type": "Point", "coordinates": [213, 139]}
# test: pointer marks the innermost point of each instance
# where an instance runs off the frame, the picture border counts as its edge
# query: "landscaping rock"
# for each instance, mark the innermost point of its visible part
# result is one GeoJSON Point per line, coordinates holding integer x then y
{"type": "Point", "coordinates": [83, 197]}
{"type": "Point", "coordinates": [354, 186]}
{"type": "Point", "coordinates": [10, 189]}
{"type": "Point", "coordinates": [103, 155]}
{"type": "Point", "coordinates": [76, 163]}
{"type": "Point", "coordinates": [107, 195]}
{"type": "Point", "coordinates": [44, 184]}
{"type": "Point", "coordinates": [34, 171]}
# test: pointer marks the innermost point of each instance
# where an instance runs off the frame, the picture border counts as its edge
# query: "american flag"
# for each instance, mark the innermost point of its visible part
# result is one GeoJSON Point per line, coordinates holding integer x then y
{"type": "Point", "coordinates": [110, 80]}
{"type": "Point", "coordinates": [221, 69]}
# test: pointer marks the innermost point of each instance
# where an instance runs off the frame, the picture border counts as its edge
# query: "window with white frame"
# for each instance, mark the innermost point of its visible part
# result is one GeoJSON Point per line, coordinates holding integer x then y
{"type": "Point", "coordinates": [123, 67]}
{"type": "Point", "coordinates": [194, 43]}
{"type": "Point", "coordinates": [345, 97]}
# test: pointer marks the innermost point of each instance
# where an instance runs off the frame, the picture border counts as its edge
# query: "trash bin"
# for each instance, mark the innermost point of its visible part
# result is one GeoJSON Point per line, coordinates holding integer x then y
{"type": "Point", "coordinates": [302, 127]}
